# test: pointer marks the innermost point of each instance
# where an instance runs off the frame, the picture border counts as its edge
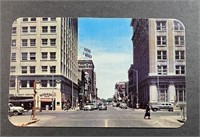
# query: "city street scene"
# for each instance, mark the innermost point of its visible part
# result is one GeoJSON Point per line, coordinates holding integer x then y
{"type": "Point", "coordinates": [97, 72]}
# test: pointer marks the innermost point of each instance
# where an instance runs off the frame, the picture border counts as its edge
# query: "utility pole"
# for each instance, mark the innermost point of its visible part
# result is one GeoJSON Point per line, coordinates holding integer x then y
{"type": "Point", "coordinates": [34, 101]}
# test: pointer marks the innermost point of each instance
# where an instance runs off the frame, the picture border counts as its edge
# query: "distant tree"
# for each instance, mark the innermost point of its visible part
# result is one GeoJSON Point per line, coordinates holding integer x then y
{"type": "Point", "coordinates": [109, 99]}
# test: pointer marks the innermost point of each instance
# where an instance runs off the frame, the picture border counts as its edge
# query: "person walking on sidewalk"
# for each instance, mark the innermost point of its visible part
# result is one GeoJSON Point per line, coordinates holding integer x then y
{"type": "Point", "coordinates": [147, 112]}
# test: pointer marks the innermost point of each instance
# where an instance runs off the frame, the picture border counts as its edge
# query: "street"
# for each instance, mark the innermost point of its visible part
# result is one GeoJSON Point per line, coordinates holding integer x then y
{"type": "Point", "coordinates": [113, 117]}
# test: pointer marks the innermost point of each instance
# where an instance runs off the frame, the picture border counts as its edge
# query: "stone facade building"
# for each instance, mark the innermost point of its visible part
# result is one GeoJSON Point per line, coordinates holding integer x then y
{"type": "Point", "coordinates": [159, 57]}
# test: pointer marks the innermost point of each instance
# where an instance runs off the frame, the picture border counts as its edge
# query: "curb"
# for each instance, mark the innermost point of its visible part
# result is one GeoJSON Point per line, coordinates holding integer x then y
{"type": "Point", "coordinates": [24, 125]}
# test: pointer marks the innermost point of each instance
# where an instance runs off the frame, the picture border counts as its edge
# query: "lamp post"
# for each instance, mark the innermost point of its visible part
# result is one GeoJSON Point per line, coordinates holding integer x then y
{"type": "Point", "coordinates": [136, 71]}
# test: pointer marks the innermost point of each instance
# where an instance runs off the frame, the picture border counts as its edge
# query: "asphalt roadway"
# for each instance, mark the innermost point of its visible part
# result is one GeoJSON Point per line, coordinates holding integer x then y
{"type": "Point", "coordinates": [113, 117]}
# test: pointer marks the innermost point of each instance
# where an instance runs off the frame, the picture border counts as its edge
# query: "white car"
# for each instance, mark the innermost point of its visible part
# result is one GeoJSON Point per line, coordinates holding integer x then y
{"type": "Point", "coordinates": [87, 107]}
{"type": "Point", "coordinates": [162, 105]}
{"type": "Point", "coordinates": [15, 110]}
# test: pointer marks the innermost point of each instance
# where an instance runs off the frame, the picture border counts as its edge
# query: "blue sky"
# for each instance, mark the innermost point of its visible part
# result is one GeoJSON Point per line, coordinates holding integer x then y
{"type": "Point", "coordinates": [109, 40]}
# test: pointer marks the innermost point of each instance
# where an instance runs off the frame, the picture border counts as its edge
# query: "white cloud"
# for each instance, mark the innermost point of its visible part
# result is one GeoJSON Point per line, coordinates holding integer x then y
{"type": "Point", "coordinates": [110, 69]}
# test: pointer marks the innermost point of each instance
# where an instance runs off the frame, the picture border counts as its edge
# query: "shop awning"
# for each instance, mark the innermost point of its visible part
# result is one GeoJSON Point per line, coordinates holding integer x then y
{"type": "Point", "coordinates": [46, 99]}
{"type": "Point", "coordinates": [21, 100]}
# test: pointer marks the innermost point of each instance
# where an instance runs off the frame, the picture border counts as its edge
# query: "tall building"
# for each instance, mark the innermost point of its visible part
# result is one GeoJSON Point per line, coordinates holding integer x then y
{"type": "Point", "coordinates": [120, 91]}
{"type": "Point", "coordinates": [159, 60]}
{"type": "Point", "coordinates": [44, 50]}
{"type": "Point", "coordinates": [87, 66]}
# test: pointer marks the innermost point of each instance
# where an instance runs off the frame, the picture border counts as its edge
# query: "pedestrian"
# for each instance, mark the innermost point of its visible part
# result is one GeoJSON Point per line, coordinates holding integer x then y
{"type": "Point", "coordinates": [147, 112]}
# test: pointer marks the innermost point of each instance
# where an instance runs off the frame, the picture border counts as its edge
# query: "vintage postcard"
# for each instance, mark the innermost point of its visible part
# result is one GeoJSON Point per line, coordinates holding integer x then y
{"type": "Point", "coordinates": [97, 72]}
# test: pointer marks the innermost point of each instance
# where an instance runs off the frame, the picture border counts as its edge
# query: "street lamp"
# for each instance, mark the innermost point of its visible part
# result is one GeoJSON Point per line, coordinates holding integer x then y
{"type": "Point", "coordinates": [136, 71]}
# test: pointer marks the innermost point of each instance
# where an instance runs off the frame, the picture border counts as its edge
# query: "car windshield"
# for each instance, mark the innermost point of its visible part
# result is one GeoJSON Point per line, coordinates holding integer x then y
{"type": "Point", "coordinates": [11, 105]}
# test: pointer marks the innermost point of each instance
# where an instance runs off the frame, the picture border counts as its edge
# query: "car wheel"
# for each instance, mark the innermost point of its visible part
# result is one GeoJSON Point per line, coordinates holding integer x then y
{"type": "Point", "coordinates": [15, 113]}
{"type": "Point", "coordinates": [155, 109]}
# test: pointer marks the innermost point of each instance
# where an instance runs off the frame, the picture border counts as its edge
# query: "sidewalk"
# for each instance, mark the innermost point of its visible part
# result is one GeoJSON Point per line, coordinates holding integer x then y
{"type": "Point", "coordinates": [22, 121]}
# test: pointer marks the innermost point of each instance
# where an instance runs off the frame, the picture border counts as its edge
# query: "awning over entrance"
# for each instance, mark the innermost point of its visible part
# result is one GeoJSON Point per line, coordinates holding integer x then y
{"type": "Point", "coordinates": [46, 99]}
{"type": "Point", "coordinates": [21, 100]}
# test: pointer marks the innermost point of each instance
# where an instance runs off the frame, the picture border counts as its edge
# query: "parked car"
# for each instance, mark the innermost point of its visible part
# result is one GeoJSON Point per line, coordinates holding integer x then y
{"type": "Point", "coordinates": [95, 106]}
{"type": "Point", "coordinates": [102, 107]}
{"type": "Point", "coordinates": [15, 110]}
{"type": "Point", "coordinates": [87, 107]}
{"type": "Point", "coordinates": [123, 106]}
{"type": "Point", "coordinates": [116, 104]}
{"type": "Point", "coordinates": [165, 105]}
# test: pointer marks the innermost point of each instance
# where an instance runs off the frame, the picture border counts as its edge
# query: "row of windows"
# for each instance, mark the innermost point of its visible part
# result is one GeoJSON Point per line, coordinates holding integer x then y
{"type": "Point", "coordinates": [179, 69]}
{"type": "Point", "coordinates": [32, 56]}
{"type": "Point", "coordinates": [34, 19]}
{"type": "Point", "coordinates": [180, 93]}
{"type": "Point", "coordinates": [162, 55]}
{"type": "Point", "coordinates": [162, 40]}
{"type": "Point", "coordinates": [32, 69]}
{"type": "Point", "coordinates": [32, 42]}
{"type": "Point", "coordinates": [32, 29]}
{"type": "Point", "coordinates": [30, 83]}
{"type": "Point", "coordinates": [162, 26]}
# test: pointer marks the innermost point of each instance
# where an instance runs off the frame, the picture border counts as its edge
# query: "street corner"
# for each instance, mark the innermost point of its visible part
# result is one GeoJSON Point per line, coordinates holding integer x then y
{"type": "Point", "coordinates": [28, 123]}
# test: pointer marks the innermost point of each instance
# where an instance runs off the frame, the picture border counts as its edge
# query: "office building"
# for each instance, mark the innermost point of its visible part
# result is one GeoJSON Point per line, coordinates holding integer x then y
{"type": "Point", "coordinates": [44, 49]}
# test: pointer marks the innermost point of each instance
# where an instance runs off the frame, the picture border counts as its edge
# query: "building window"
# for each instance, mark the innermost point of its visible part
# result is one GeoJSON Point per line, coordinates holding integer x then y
{"type": "Point", "coordinates": [163, 95]}
{"type": "Point", "coordinates": [180, 93]}
{"type": "Point", "coordinates": [53, 19]}
{"type": "Point", "coordinates": [44, 55]}
{"type": "Point", "coordinates": [24, 83]}
{"type": "Point", "coordinates": [25, 19]}
{"type": "Point", "coordinates": [162, 70]}
{"type": "Point", "coordinates": [161, 25]}
{"type": "Point", "coordinates": [179, 55]}
{"type": "Point", "coordinates": [52, 83]}
{"type": "Point", "coordinates": [53, 29]}
{"type": "Point", "coordinates": [44, 68]}
{"type": "Point", "coordinates": [180, 69]}
{"type": "Point", "coordinates": [44, 83]}
{"type": "Point", "coordinates": [32, 69]}
{"type": "Point", "coordinates": [24, 56]}
{"type": "Point", "coordinates": [161, 55]}
{"type": "Point", "coordinates": [12, 83]}
{"type": "Point", "coordinates": [53, 55]}
{"type": "Point", "coordinates": [52, 69]}
{"type": "Point", "coordinates": [14, 43]}
{"type": "Point", "coordinates": [32, 56]}
{"type": "Point", "coordinates": [24, 69]}
{"type": "Point", "coordinates": [179, 40]}
{"type": "Point", "coordinates": [45, 19]}
{"type": "Point", "coordinates": [33, 19]}
{"type": "Point", "coordinates": [44, 42]}
{"type": "Point", "coordinates": [32, 28]}
{"type": "Point", "coordinates": [32, 42]}
{"type": "Point", "coordinates": [52, 42]}
{"type": "Point", "coordinates": [12, 68]}
{"type": "Point", "coordinates": [31, 83]}
{"type": "Point", "coordinates": [13, 56]}
{"type": "Point", "coordinates": [44, 29]}
{"type": "Point", "coordinates": [24, 42]}
{"type": "Point", "coordinates": [178, 26]}
{"type": "Point", "coordinates": [161, 40]}
{"type": "Point", "coordinates": [14, 30]}
{"type": "Point", "coordinates": [24, 29]}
